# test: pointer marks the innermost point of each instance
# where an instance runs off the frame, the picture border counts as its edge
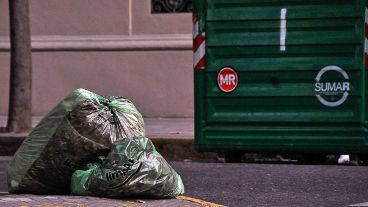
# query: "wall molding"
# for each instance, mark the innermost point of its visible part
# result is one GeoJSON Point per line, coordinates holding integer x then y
{"type": "Point", "coordinates": [106, 43]}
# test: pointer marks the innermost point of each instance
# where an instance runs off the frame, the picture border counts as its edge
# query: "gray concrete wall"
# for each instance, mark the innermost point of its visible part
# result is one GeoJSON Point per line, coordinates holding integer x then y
{"type": "Point", "coordinates": [112, 47]}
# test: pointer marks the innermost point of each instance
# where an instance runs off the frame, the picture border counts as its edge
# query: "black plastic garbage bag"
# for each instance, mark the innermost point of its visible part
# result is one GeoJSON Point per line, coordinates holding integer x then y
{"type": "Point", "coordinates": [80, 128]}
{"type": "Point", "coordinates": [132, 168]}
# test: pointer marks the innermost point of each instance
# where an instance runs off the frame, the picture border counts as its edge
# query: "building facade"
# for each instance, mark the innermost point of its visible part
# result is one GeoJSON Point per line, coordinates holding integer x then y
{"type": "Point", "coordinates": [112, 47]}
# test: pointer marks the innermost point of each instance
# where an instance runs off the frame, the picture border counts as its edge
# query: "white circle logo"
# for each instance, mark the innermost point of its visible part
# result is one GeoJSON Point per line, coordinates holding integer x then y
{"type": "Point", "coordinates": [332, 86]}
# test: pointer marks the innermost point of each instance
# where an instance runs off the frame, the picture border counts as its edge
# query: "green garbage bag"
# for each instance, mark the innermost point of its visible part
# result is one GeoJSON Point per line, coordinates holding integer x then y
{"type": "Point", "coordinates": [132, 168]}
{"type": "Point", "coordinates": [80, 128]}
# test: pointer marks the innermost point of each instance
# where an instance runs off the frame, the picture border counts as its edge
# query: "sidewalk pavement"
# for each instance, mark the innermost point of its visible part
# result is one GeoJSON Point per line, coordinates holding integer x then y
{"type": "Point", "coordinates": [182, 128]}
{"type": "Point", "coordinates": [172, 137]}
{"type": "Point", "coordinates": [28, 200]}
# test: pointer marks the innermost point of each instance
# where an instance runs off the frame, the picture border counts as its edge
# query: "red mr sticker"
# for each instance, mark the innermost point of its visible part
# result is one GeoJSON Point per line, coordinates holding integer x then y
{"type": "Point", "coordinates": [227, 79]}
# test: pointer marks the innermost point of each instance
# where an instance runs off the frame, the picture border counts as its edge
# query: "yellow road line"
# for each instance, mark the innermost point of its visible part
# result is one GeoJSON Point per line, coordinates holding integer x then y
{"type": "Point", "coordinates": [199, 201]}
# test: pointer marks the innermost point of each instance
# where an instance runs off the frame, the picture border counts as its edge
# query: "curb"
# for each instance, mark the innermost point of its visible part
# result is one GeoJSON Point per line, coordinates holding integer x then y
{"type": "Point", "coordinates": [181, 149]}
{"type": "Point", "coordinates": [9, 143]}
{"type": "Point", "coordinates": [169, 147]}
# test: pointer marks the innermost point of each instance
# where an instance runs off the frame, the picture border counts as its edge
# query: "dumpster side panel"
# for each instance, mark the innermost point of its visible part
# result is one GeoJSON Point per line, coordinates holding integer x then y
{"type": "Point", "coordinates": [301, 77]}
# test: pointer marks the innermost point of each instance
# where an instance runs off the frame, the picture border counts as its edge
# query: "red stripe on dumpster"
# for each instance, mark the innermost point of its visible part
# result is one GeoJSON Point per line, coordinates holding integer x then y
{"type": "Point", "coordinates": [199, 54]}
{"type": "Point", "coordinates": [197, 42]}
{"type": "Point", "coordinates": [194, 18]}
{"type": "Point", "coordinates": [201, 64]}
{"type": "Point", "coordinates": [199, 45]}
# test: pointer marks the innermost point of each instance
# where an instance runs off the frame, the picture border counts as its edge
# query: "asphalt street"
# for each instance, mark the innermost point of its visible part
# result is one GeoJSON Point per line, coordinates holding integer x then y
{"type": "Point", "coordinates": [245, 184]}
{"type": "Point", "coordinates": [275, 184]}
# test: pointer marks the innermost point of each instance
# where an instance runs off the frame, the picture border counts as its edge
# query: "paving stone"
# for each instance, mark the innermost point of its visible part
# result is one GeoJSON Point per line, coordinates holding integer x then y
{"type": "Point", "coordinates": [25, 200]}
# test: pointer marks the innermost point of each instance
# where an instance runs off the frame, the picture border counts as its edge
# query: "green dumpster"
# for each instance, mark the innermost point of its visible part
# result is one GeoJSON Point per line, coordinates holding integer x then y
{"type": "Point", "coordinates": [280, 76]}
